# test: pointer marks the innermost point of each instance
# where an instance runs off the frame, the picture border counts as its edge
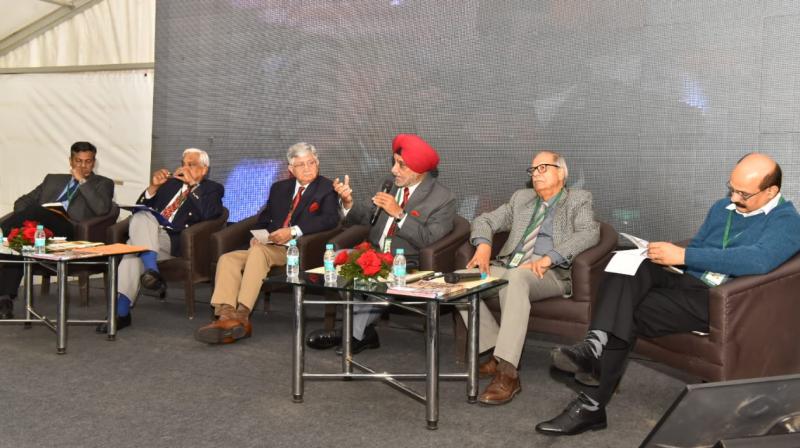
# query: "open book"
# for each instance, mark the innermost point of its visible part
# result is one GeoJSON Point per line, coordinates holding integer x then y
{"type": "Point", "coordinates": [431, 289]}
{"type": "Point", "coordinates": [162, 221]}
{"type": "Point", "coordinates": [627, 261]}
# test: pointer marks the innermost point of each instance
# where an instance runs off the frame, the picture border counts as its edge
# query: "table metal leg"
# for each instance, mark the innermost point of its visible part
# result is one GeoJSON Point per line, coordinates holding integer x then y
{"type": "Point", "coordinates": [298, 355]}
{"type": "Point", "coordinates": [347, 334]}
{"type": "Point", "coordinates": [27, 275]}
{"type": "Point", "coordinates": [111, 287]}
{"type": "Point", "coordinates": [61, 324]}
{"type": "Point", "coordinates": [432, 378]}
{"type": "Point", "coordinates": [472, 349]}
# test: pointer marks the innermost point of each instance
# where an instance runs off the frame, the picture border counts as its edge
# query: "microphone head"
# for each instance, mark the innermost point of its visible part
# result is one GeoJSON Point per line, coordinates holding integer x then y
{"type": "Point", "coordinates": [387, 185]}
{"type": "Point", "coordinates": [451, 277]}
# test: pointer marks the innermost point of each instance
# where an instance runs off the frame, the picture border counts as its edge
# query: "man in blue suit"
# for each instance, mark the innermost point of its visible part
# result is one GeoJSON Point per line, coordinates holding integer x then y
{"type": "Point", "coordinates": [304, 204]}
{"type": "Point", "coordinates": [182, 198]}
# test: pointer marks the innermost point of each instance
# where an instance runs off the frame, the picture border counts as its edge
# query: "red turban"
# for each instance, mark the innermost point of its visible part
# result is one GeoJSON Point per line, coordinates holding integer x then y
{"type": "Point", "coordinates": [417, 153]}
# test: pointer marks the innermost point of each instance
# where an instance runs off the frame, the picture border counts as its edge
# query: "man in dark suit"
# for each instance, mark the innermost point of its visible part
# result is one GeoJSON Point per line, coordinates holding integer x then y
{"type": "Point", "coordinates": [304, 204]}
{"type": "Point", "coordinates": [415, 213]}
{"type": "Point", "coordinates": [82, 195]}
{"type": "Point", "coordinates": [184, 198]}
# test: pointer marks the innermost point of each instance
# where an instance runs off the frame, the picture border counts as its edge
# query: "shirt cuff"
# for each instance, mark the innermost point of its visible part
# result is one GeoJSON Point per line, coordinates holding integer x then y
{"type": "Point", "coordinates": [478, 241]}
{"type": "Point", "coordinates": [555, 258]}
{"type": "Point", "coordinates": [147, 194]}
{"type": "Point", "coordinates": [297, 232]}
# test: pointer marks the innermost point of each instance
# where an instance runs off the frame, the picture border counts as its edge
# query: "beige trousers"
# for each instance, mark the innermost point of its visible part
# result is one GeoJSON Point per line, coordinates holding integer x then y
{"type": "Point", "coordinates": [241, 273]}
{"type": "Point", "coordinates": [524, 287]}
{"type": "Point", "coordinates": [143, 231]}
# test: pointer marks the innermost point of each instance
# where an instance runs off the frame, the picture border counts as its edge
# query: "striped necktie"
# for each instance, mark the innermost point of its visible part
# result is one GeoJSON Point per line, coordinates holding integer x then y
{"type": "Point", "coordinates": [175, 205]}
{"type": "Point", "coordinates": [69, 191]}
{"type": "Point", "coordinates": [393, 227]}
{"type": "Point", "coordinates": [295, 201]}
{"type": "Point", "coordinates": [530, 239]}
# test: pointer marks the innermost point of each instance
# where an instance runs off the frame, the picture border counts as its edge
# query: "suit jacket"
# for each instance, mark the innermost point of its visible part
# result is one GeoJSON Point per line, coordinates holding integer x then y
{"type": "Point", "coordinates": [92, 198]}
{"type": "Point", "coordinates": [204, 203]}
{"type": "Point", "coordinates": [431, 210]}
{"type": "Point", "coordinates": [317, 210]}
{"type": "Point", "coordinates": [574, 227]}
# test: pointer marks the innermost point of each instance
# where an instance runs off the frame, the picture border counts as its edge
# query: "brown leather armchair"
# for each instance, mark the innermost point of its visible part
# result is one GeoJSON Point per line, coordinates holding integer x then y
{"type": "Point", "coordinates": [237, 236]}
{"type": "Point", "coordinates": [568, 317]}
{"type": "Point", "coordinates": [753, 330]}
{"type": "Point", "coordinates": [194, 265]}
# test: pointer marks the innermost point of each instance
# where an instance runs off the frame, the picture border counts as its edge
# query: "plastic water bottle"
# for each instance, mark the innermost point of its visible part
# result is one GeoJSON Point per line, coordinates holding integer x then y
{"type": "Point", "coordinates": [39, 239]}
{"type": "Point", "coordinates": [399, 268]}
{"type": "Point", "coordinates": [293, 260]}
{"type": "Point", "coordinates": [330, 267]}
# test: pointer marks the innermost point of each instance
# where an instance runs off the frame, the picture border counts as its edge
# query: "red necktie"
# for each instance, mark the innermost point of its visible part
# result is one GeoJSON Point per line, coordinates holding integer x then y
{"type": "Point", "coordinates": [393, 228]}
{"type": "Point", "coordinates": [295, 201]}
{"type": "Point", "coordinates": [170, 209]}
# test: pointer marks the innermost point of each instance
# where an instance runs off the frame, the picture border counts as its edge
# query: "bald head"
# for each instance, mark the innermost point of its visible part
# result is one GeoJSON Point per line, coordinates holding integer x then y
{"type": "Point", "coordinates": [755, 180]}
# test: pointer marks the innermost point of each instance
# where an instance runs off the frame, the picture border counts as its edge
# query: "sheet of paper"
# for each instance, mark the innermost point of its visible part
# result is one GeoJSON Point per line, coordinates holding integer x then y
{"type": "Point", "coordinates": [640, 243]}
{"type": "Point", "coordinates": [262, 235]}
{"type": "Point", "coordinates": [625, 262]}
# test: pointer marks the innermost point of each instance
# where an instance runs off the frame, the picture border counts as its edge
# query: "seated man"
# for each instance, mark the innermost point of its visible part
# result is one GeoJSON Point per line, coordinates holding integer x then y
{"type": "Point", "coordinates": [304, 204]}
{"type": "Point", "coordinates": [83, 195]}
{"type": "Point", "coordinates": [751, 233]}
{"type": "Point", "coordinates": [549, 226]}
{"type": "Point", "coordinates": [183, 198]}
{"type": "Point", "coordinates": [416, 212]}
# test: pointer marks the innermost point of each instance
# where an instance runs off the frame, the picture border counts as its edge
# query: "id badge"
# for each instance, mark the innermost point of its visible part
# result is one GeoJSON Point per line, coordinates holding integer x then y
{"type": "Point", "coordinates": [515, 260]}
{"type": "Point", "coordinates": [713, 278]}
{"type": "Point", "coordinates": [387, 245]}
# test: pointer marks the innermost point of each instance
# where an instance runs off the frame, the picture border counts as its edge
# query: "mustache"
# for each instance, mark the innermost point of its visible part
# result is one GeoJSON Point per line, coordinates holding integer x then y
{"type": "Point", "coordinates": [738, 204]}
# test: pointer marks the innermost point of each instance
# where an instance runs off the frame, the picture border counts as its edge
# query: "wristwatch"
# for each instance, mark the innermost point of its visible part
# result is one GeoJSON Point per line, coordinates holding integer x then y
{"type": "Point", "coordinates": [293, 232]}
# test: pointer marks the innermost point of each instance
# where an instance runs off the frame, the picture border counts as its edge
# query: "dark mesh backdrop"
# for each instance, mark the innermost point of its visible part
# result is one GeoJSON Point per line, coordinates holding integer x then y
{"type": "Point", "coordinates": [651, 102]}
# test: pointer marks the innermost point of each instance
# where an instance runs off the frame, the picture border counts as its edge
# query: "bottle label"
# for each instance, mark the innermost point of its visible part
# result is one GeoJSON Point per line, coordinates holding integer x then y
{"type": "Point", "coordinates": [399, 271]}
{"type": "Point", "coordinates": [293, 260]}
{"type": "Point", "coordinates": [39, 242]}
{"type": "Point", "coordinates": [329, 265]}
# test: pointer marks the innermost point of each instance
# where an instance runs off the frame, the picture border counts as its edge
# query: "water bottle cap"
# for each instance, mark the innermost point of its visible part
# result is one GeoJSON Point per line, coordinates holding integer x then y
{"type": "Point", "coordinates": [329, 246]}
{"type": "Point", "coordinates": [400, 251]}
{"type": "Point", "coordinates": [40, 227]}
{"type": "Point", "coordinates": [293, 243]}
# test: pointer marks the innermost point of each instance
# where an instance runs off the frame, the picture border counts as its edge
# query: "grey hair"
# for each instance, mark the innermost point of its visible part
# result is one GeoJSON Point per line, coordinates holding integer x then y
{"type": "Point", "coordinates": [559, 160]}
{"type": "Point", "coordinates": [204, 160]}
{"type": "Point", "coordinates": [299, 150]}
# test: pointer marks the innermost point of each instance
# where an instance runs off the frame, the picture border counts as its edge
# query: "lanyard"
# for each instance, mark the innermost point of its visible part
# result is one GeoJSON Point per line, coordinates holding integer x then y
{"type": "Point", "coordinates": [538, 217]}
{"type": "Point", "coordinates": [725, 239]}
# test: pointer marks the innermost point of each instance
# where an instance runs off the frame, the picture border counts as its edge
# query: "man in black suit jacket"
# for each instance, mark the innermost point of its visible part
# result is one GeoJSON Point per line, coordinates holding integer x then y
{"type": "Point", "coordinates": [301, 205]}
{"type": "Point", "coordinates": [82, 194]}
{"type": "Point", "coordinates": [184, 198]}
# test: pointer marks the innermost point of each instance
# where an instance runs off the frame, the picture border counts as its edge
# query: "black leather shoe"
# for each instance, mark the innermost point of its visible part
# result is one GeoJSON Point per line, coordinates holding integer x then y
{"type": "Point", "coordinates": [370, 340]}
{"type": "Point", "coordinates": [6, 308]}
{"type": "Point", "coordinates": [153, 281]}
{"type": "Point", "coordinates": [122, 322]}
{"type": "Point", "coordinates": [575, 358]}
{"type": "Point", "coordinates": [324, 339]}
{"type": "Point", "coordinates": [575, 419]}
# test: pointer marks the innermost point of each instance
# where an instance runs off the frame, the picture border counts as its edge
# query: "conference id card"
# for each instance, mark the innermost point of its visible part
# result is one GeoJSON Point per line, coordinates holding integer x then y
{"type": "Point", "coordinates": [387, 244]}
{"type": "Point", "coordinates": [713, 278]}
{"type": "Point", "coordinates": [516, 260]}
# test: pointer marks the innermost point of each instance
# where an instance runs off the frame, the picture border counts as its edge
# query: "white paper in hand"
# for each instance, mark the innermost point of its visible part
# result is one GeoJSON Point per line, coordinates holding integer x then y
{"type": "Point", "coordinates": [626, 262]}
{"type": "Point", "coordinates": [262, 235]}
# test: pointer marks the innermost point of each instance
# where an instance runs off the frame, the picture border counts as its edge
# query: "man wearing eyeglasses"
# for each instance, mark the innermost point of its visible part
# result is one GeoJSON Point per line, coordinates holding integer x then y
{"type": "Point", "coordinates": [301, 205]}
{"type": "Point", "coordinates": [549, 226]}
{"type": "Point", "coordinates": [750, 233]}
{"type": "Point", "coordinates": [71, 198]}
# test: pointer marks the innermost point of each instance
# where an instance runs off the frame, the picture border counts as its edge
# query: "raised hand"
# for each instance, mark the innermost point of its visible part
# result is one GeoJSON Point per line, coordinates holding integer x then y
{"type": "Point", "coordinates": [344, 191]}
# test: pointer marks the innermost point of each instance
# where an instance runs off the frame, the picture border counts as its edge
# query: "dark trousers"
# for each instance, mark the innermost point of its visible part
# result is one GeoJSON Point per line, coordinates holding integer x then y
{"type": "Point", "coordinates": [11, 274]}
{"type": "Point", "coordinates": [654, 302]}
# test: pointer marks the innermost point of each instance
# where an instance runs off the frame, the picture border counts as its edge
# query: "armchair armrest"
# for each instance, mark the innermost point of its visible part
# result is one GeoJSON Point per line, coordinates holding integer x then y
{"type": "Point", "coordinates": [312, 247]}
{"type": "Point", "coordinates": [195, 242]}
{"type": "Point", "coordinates": [588, 266]}
{"type": "Point", "coordinates": [440, 256]}
{"type": "Point", "coordinates": [233, 237]}
{"type": "Point", "coordinates": [350, 237]}
{"type": "Point", "coordinates": [94, 229]}
{"type": "Point", "coordinates": [118, 233]}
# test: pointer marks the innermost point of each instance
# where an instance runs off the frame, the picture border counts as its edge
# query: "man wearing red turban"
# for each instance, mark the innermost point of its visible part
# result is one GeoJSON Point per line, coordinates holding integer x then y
{"type": "Point", "coordinates": [416, 212]}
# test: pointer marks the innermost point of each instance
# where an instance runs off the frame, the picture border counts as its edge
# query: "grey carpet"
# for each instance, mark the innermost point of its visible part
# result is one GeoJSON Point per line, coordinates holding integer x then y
{"type": "Point", "coordinates": [155, 386]}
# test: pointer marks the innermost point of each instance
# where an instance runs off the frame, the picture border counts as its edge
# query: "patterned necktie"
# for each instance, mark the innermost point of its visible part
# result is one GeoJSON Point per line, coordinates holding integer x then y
{"type": "Point", "coordinates": [530, 240]}
{"type": "Point", "coordinates": [295, 201]}
{"type": "Point", "coordinates": [175, 205]}
{"type": "Point", "coordinates": [67, 195]}
{"type": "Point", "coordinates": [393, 227]}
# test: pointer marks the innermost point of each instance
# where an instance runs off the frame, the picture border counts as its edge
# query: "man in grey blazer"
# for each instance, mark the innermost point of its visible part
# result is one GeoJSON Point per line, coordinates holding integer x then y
{"type": "Point", "coordinates": [416, 212]}
{"type": "Point", "coordinates": [82, 195]}
{"type": "Point", "coordinates": [548, 227]}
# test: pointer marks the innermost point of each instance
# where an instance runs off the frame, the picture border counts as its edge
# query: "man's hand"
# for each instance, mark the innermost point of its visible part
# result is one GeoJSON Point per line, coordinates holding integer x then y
{"type": "Point", "coordinates": [344, 191]}
{"type": "Point", "coordinates": [254, 242]}
{"type": "Point", "coordinates": [481, 258]}
{"type": "Point", "coordinates": [186, 176]}
{"type": "Point", "coordinates": [281, 236]}
{"type": "Point", "coordinates": [388, 203]}
{"type": "Point", "coordinates": [158, 179]}
{"type": "Point", "coordinates": [538, 267]}
{"type": "Point", "coordinates": [666, 253]}
{"type": "Point", "coordinates": [76, 173]}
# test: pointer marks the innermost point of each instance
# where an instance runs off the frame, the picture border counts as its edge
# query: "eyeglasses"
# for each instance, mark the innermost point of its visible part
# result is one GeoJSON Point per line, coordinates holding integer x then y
{"type": "Point", "coordinates": [311, 164]}
{"type": "Point", "coordinates": [542, 168]}
{"type": "Point", "coordinates": [742, 194]}
{"type": "Point", "coordinates": [83, 162]}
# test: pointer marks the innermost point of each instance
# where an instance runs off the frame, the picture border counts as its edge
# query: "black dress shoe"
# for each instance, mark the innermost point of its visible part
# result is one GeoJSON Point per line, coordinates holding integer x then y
{"type": "Point", "coordinates": [153, 281]}
{"type": "Point", "coordinates": [370, 340]}
{"type": "Point", "coordinates": [6, 308]}
{"type": "Point", "coordinates": [575, 419]}
{"type": "Point", "coordinates": [324, 339]}
{"type": "Point", "coordinates": [122, 322]}
{"type": "Point", "coordinates": [575, 358]}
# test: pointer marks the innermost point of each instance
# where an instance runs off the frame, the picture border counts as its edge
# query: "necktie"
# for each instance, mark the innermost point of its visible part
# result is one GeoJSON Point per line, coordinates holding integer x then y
{"type": "Point", "coordinates": [176, 203]}
{"type": "Point", "coordinates": [529, 240]}
{"type": "Point", "coordinates": [69, 192]}
{"type": "Point", "coordinates": [295, 201]}
{"type": "Point", "coordinates": [393, 228]}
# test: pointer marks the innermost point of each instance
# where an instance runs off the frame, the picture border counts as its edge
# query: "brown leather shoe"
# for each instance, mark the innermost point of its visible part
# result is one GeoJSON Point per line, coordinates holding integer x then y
{"type": "Point", "coordinates": [223, 331]}
{"type": "Point", "coordinates": [488, 368]}
{"type": "Point", "coordinates": [501, 390]}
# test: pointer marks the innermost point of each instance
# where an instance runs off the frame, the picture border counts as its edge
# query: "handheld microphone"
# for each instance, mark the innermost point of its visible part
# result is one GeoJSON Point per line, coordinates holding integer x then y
{"type": "Point", "coordinates": [456, 277]}
{"type": "Point", "coordinates": [376, 211]}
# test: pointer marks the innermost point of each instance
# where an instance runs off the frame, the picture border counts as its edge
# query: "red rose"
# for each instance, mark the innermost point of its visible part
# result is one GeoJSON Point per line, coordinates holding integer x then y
{"type": "Point", "coordinates": [28, 224]}
{"type": "Point", "coordinates": [313, 207]}
{"type": "Point", "coordinates": [29, 233]}
{"type": "Point", "coordinates": [48, 233]}
{"type": "Point", "coordinates": [370, 263]}
{"type": "Point", "coordinates": [415, 213]}
{"type": "Point", "coordinates": [363, 246]}
{"type": "Point", "coordinates": [387, 258]}
{"type": "Point", "coordinates": [341, 258]}
{"type": "Point", "coordinates": [13, 233]}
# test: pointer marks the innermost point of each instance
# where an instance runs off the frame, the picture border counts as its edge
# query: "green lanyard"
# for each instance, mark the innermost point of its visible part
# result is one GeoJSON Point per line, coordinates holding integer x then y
{"type": "Point", "coordinates": [539, 214]}
{"type": "Point", "coordinates": [725, 235]}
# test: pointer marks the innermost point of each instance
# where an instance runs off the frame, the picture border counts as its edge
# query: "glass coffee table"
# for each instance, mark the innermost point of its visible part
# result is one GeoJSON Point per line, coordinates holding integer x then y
{"type": "Point", "coordinates": [377, 292]}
